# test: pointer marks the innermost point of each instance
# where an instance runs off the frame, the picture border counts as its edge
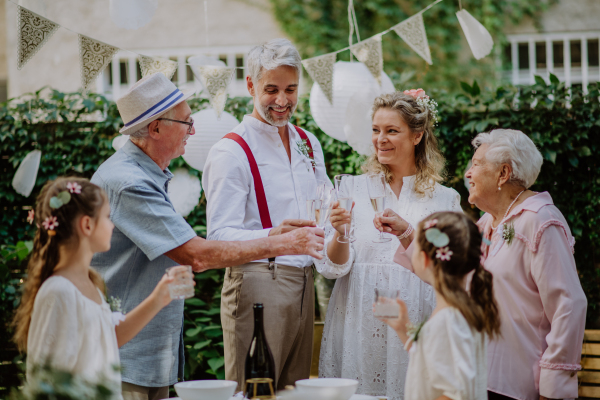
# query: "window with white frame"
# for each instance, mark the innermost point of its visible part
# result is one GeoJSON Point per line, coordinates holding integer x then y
{"type": "Point", "coordinates": [124, 70]}
{"type": "Point", "coordinates": [572, 56]}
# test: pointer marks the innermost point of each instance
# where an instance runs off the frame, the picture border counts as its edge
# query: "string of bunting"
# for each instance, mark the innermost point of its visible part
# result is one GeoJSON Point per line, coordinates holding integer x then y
{"type": "Point", "coordinates": [34, 31]}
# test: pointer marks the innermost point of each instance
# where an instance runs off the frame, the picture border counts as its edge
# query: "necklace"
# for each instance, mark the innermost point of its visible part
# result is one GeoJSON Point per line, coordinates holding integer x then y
{"type": "Point", "coordinates": [508, 209]}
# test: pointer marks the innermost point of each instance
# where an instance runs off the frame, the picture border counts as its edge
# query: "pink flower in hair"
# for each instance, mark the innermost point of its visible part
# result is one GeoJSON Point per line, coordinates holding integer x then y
{"type": "Point", "coordinates": [416, 93]}
{"type": "Point", "coordinates": [50, 223]}
{"type": "Point", "coordinates": [74, 187]}
{"type": "Point", "coordinates": [444, 253]}
{"type": "Point", "coordinates": [31, 216]}
{"type": "Point", "coordinates": [430, 224]}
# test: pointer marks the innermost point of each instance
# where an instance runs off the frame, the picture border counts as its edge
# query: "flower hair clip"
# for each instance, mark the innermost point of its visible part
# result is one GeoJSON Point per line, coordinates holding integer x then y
{"type": "Point", "coordinates": [31, 216]}
{"type": "Point", "coordinates": [50, 223]}
{"type": "Point", "coordinates": [439, 239]}
{"type": "Point", "coordinates": [424, 101]}
{"type": "Point", "coordinates": [74, 187]}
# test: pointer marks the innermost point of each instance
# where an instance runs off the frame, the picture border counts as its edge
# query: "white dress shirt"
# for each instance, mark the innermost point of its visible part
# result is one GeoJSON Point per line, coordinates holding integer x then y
{"type": "Point", "coordinates": [232, 209]}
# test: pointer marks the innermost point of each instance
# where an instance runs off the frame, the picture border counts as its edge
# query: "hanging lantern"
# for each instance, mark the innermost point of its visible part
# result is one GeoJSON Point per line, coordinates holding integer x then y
{"type": "Point", "coordinates": [354, 89]}
{"type": "Point", "coordinates": [119, 141]}
{"type": "Point", "coordinates": [132, 14]}
{"type": "Point", "coordinates": [184, 191]}
{"type": "Point", "coordinates": [209, 130]}
{"type": "Point", "coordinates": [24, 179]}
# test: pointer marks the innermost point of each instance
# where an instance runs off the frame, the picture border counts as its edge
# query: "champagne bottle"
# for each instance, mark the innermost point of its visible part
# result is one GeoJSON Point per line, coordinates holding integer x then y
{"type": "Point", "coordinates": [259, 361]}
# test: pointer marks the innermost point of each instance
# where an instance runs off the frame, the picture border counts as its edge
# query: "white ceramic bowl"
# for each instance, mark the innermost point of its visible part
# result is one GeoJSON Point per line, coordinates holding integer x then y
{"type": "Point", "coordinates": [341, 389]}
{"type": "Point", "coordinates": [205, 390]}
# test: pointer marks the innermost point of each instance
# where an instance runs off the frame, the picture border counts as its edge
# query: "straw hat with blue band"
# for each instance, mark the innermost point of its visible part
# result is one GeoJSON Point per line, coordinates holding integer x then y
{"type": "Point", "coordinates": [147, 100]}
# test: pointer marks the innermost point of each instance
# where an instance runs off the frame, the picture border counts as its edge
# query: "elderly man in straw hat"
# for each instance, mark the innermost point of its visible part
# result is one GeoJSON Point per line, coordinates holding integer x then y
{"type": "Point", "coordinates": [149, 236]}
{"type": "Point", "coordinates": [262, 170]}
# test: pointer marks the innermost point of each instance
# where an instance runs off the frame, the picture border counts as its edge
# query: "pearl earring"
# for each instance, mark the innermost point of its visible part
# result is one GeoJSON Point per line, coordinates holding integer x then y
{"type": "Point", "coordinates": [499, 188]}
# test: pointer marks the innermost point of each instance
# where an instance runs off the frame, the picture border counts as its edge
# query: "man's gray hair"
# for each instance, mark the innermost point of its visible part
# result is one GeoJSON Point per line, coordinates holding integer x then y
{"type": "Point", "coordinates": [143, 131]}
{"type": "Point", "coordinates": [509, 146]}
{"type": "Point", "coordinates": [270, 55]}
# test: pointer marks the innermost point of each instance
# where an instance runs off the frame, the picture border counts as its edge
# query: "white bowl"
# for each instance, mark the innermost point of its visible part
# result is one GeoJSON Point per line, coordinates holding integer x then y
{"type": "Point", "coordinates": [205, 390]}
{"type": "Point", "coordinates": [336, 388]}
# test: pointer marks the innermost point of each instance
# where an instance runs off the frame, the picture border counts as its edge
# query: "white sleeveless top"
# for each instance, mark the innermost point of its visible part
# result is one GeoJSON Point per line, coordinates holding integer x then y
{"type": "Point", "coordinates": [72, 333]}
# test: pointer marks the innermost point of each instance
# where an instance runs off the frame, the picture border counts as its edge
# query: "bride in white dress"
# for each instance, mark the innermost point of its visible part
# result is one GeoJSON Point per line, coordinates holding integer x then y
{"type": "Point", "coordinates": [355, 344]}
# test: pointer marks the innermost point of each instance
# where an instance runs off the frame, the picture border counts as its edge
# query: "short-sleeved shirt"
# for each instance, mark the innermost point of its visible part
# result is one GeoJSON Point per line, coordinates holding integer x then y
{"type": "Point", "coordinates": [146, 227]}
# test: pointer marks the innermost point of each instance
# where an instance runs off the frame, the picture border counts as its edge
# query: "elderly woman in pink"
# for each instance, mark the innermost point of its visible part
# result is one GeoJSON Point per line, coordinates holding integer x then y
{"type": "Point", "coordinates": [529, 251]}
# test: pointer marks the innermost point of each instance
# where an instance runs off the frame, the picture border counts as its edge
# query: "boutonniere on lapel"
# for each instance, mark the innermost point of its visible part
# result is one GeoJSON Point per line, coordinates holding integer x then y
{"type": "Point", "coordinates": [304, 150]}
{"type": "Point", "coordinates": [508, 232]}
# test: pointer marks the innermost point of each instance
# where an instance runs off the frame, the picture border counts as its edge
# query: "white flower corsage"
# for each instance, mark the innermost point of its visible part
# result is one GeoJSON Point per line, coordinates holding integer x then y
{"type": "Point", "coordinates": [117, 312]}
{"type": "Point", "coordinates": [304, 150]}
{"type": "Point", "coordinates": [413, 332]}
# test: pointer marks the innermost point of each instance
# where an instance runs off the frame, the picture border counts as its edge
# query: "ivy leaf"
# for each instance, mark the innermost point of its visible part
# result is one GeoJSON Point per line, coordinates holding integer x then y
{"type": "Point", "coordinates": [193, 332]}
{"type": "Point", "coordinates": [539, 80]}
{"type": "Point", "coordinates": [216, 363]}
{"type": "Point", "coordinates": [475, 91]}
{"type": "Point", "coordinates": [466, 87]}
{"type": "Point", "coordinates": [553, 79]}
{"type": "Point", "coordinates": [201, 345]}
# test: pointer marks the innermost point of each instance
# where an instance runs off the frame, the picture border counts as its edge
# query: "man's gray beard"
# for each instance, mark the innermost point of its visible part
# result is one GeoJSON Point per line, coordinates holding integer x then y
{"type": "Point", "coordinates": [267, 116]}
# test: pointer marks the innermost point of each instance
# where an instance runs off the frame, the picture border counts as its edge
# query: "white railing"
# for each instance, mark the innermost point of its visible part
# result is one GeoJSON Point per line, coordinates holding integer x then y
{"type": "Point", "coordinates": [583, 74]}
{"type": "Point", "coordinates": [233, 56]}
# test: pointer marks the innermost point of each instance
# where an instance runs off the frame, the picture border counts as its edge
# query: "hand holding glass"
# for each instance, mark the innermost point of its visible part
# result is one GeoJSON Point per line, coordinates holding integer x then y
{"type": "Point", "coordinates": [376, 188]}
{"type": "Point", "coordinates": [344, 186]}
{"type": "Point", "coordinates": [385, 303]}
{"type": "Point", "coordinates": [182, 286]}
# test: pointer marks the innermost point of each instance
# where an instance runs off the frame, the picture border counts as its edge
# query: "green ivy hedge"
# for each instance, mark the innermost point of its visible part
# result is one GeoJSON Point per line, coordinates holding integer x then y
{"type": "Point", "coordinates": [74, 133]}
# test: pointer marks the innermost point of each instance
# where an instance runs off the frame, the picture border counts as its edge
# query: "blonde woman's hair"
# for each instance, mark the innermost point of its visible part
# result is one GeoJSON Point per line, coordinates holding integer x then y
{"type": "Point", "coordinates": [429, 160]}
{"type": "Point", "coordinates": [45, 255]}
{"type": "Point", "coordinates": [477, 304]}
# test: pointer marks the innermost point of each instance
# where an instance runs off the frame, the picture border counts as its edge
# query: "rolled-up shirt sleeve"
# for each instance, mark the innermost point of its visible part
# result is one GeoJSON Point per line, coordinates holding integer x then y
{"type": "Point", "coordinates": [553, 269]}
{"type": "Point", "coordinates": [149, 220]}
{"type": "Point", "coordinates": [227, 186]}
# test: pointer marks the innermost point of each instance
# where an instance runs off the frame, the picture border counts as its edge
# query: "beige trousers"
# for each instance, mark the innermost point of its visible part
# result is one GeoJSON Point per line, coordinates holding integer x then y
{"type": "Point", "coordinates": [135, 392]}
{"type": "Point", "coordinates": [287, 294]}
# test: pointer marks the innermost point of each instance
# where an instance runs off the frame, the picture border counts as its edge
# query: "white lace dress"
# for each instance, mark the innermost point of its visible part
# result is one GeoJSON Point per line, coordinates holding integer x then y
{"type": "Point", "coordinates": [355, 344]}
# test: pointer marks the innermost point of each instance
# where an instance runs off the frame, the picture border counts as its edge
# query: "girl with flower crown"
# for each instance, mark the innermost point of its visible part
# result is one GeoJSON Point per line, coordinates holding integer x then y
{"type": "Point", "coordinates": [355, 344]}
{"type": "Point", "coordinates": [448, 357]}
{"type": "Point", "coordinates": [63, 319]}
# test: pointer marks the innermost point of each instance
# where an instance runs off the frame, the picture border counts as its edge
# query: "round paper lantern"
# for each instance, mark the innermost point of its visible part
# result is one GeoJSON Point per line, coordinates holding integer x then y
{"type": "Point", "coordinates": [119, 141]}
{"type": "Point", "coordinates": [184, 191]}
{"type": "Point", "coordinates": [209, 130]}
{"type": "Point", "coordinates": [350, 79]}
{"type": "Point", "coordinates": [132, 14]}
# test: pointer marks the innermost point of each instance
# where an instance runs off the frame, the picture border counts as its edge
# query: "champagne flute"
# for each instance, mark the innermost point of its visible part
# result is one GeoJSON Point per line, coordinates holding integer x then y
{"type": "Point", "coordinates": [314, 193]}
{"type": "Point", "coordinates": [376, 189]}
{"type": "Point", "coordinates": [344, 186]}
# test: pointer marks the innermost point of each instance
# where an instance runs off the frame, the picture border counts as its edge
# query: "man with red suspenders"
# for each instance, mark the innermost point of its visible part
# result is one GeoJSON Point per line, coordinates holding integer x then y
{"type": "Point", "coordinates": [255, 180]}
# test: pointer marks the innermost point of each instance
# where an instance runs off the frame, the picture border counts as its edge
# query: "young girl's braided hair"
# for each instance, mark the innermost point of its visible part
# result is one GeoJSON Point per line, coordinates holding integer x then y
{"type": "Point", "coordinates": [453, 261]}
{"type": "Point", "coordinates": [58, 207]}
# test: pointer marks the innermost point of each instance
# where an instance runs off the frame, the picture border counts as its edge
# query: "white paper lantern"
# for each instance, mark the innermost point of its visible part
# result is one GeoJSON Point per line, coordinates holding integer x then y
{"type": "Point", "coordinates": [24, 179]}
{"type": "Point", "coordinates": [132, 14]}
{"type": "Point", "coordinates": [209, 130]}
{"type": "Point", "coordinates": [184, 191]}
{"type": "Point", "coordinates": [119, 141]}
{"type": "Point", "coordinates": [348, 119]}
{"type": "Point", "coordinates": [350, 80]}
{"type": "Point", "coordinates": [479, 39]}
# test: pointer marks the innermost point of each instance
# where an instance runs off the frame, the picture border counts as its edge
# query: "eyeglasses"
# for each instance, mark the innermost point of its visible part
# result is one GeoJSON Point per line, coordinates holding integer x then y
{"type": "Point", "coordinates": [191, 124]}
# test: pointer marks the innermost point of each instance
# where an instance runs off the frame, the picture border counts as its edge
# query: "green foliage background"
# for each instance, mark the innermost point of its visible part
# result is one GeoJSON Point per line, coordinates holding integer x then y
{"type": "Point", "coordinates": [318, 27]}
{"type": "Point", "coordinates": [74, 133]}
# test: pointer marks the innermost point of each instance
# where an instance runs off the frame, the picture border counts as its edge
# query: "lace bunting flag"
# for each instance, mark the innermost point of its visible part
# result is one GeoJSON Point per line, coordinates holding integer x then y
{"type": "Point", "coordinates": [412, 31]}
{"type": "Point", "coordinates": [33, 32]}
{"type": "Point", "coordinates": [320, 70]}
{"type": "Point", "coordinates": [94, 57]}
{"type": "Point", "coordinates": [150, 65]}
{"type": "Point", "coordinates": [369, 52]}
{"type": "Point", "coordinates": [215, 80]}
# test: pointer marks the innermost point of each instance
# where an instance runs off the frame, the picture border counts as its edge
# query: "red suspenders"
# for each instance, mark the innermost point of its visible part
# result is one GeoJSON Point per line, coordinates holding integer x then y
{"type": "Point", "coordinates": [261, 199]}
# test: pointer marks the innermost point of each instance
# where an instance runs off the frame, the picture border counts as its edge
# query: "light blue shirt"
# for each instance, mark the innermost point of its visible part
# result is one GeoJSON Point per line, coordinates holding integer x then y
{"type": "Point", "coordinates": [146, 227]}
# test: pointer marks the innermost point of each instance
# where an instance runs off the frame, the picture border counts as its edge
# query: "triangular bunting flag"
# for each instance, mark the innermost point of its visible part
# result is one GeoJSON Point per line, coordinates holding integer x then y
{"type": "Point", "coordinates": [215, 80]}
{"type": "Point", "coordinates": [369, 53]}
{"type": "Point", "coordinates": [150, 65]}
{"type": "Point", "coordinates": [479, 39]}
{"type": "Point", "coordinates": [33, 32]}
{"type": "Point", "coordinates": [412, 31]}
{"type": "Point", "coordinates": [94, 57]}
{"type": "Point", "coordinates": [320, 70]}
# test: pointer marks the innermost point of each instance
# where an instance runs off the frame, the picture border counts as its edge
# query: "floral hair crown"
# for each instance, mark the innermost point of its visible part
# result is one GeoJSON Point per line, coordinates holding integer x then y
{"type": "Point", "coordinates": [56, 202]}
{"type": "Point", "coordinates": [424, 101]}
{"type": "Point", "coordinates": [439, 239]}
